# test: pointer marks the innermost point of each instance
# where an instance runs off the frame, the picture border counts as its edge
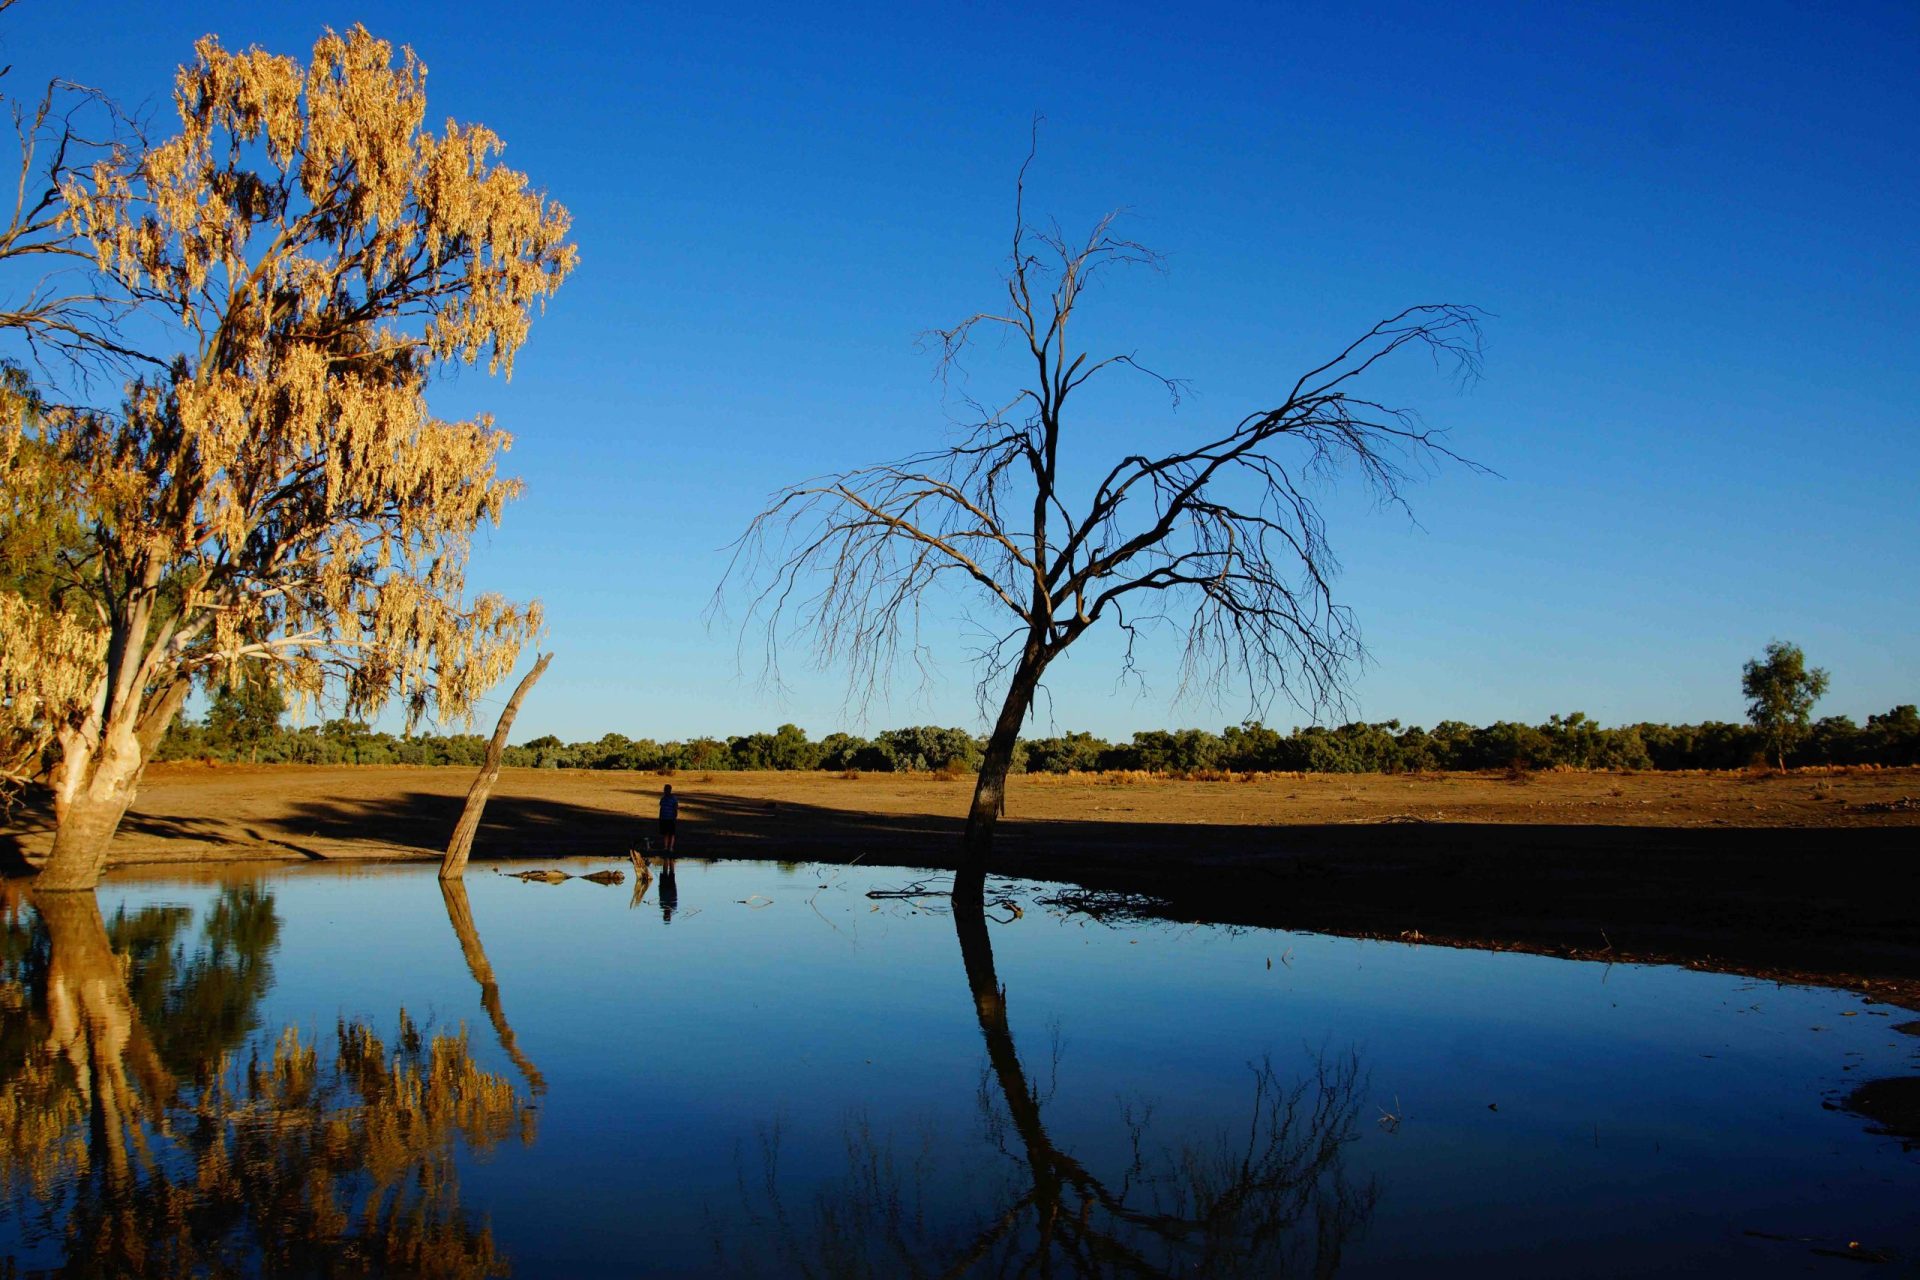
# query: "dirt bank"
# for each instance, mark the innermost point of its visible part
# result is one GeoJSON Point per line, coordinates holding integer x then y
{"type": "Point", "coordinates": [1803, 876]}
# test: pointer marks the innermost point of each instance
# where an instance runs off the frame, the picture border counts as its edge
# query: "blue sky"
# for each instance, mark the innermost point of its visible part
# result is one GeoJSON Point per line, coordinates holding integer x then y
{"type": "Point", "coordinates": [1694, 225]}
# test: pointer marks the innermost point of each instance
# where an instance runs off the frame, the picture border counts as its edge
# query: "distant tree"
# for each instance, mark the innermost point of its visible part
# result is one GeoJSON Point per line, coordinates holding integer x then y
{"type": "Point", "coordinates": [839, 750]}
{"type": "Point", "coordinates": [705, 753]}
{"type": "Point", "coordinates": [785, 748]}
{"type": "Point", "coordinates": [1780, 692]}
{"type": "Point", "coordinates": [925, 747]}
{"type": "Point", "coordinates": [1218, 534]}
{"type": "Point", "coordinates": [792, 749]}
{"type": "Point", "coordinates": [1834, 740]}
{"type": "Point", "coordinates": [244, 714]}
{"type": "Point", "coordinates": [1252, 746]}
{"type": "Point", "coordinates": [1893, 738]}
{"type": "Point", "coordinates": [544, 752]}
{"type": "Point", "coordinates": [1073, 753]}
{"type": "Point", "coordinates": [282, 495]}
{"type": "Point", "coordinates": [1177, 750]}
{"type": "Point", "coordinates": [612, 751]}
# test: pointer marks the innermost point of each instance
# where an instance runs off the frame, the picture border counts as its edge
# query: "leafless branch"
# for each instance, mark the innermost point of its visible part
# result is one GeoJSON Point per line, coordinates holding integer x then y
{"type": "Point", "coordinates": [56, 306]}
{"type": "Point", "coordinates": [1219, 538]}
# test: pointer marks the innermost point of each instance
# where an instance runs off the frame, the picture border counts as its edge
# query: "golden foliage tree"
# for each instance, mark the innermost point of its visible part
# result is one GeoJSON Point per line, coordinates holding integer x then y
{"type": "Point", "coordinates": [283, 494]}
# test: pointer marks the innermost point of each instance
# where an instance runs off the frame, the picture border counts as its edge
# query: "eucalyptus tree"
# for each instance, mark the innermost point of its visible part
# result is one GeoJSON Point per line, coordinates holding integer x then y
{"type": "Point", "coordinates": [283, 495]}
{"type": "Point", "coordinates": [1780, 692]}
{"type": "Point", "coordinates": [1217, 533]}
{"type": "Point", "coordinates": [54, 318]}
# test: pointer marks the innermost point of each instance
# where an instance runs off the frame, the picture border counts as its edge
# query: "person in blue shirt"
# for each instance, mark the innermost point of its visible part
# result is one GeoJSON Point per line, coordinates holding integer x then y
{"type": "Point", "coordinates": [669, 818]}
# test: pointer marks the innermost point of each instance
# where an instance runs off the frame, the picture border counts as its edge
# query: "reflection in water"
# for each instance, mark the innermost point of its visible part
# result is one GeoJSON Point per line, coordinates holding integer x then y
{"type": "Point", "coordinates": [669, 892]}
{"type": "Point", "coordinates": [1270, 1198]}
{"type": "Point", "coordinates": [460, 915]}
{"type": "Point", "coordinates": [146, 1129]}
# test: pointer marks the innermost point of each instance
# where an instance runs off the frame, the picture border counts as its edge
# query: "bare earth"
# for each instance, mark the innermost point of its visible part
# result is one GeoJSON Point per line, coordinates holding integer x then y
{"type": "Point", "coordinates": [1804, 876]}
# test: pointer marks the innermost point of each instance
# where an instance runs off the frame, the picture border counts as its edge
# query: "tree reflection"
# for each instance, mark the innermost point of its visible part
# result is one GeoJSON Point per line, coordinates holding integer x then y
{"type": "Point", "coordinates": [1270, 1198]}
{"type": "Point", "coordinates": [147, 1129]}
{"type": "Point", "coordinates": [460, 916]}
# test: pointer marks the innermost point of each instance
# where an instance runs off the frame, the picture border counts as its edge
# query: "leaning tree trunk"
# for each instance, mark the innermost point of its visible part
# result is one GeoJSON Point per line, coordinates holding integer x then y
{"type": "Point", "coordinates": [454, 864]}
{"type": "Point", "coordinates": [990, 792]}
{"type": "Point", "coordinates": [89, 807]}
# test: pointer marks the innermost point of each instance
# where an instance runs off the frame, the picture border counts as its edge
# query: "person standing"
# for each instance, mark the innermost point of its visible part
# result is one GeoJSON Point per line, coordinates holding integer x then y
{"type": "Point", "coordinates": [669, 818]}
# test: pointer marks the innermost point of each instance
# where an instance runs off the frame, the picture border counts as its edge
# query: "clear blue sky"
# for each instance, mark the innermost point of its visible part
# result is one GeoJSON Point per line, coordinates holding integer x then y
{"type": "Point", "coordinates": [1698, 227]}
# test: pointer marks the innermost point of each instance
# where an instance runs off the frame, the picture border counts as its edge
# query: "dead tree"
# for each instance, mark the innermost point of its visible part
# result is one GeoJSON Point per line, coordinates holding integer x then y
{"type": "Point", "coordinates": [454, 864]}
{"type": "Point", "coordinates": [1219, 536]}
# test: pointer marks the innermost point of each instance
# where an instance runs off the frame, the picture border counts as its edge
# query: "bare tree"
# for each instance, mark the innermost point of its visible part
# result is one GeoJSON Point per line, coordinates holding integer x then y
{"type": "Point", "coordinates": [1219, 536]}
{"type": "Point", "coordinates": [53, 302]}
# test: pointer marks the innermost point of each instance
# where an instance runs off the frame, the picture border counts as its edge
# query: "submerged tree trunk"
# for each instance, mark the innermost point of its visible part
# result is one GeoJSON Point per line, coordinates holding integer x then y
{"type": "Point", "coordinates": [454, 864]}
{"type": "Point", "coordinates": [93, 787]}
{"type": "Point", "coordinates": [990, 791]}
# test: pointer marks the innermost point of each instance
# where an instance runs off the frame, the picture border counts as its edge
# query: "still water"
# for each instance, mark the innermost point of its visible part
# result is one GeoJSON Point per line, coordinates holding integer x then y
{"type": "Point", "coordinates": [759, 1069]}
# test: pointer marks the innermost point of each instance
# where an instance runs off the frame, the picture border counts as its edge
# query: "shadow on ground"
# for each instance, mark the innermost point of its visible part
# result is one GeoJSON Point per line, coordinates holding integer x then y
{"type": "Point", "coordinates": [1816, 904]}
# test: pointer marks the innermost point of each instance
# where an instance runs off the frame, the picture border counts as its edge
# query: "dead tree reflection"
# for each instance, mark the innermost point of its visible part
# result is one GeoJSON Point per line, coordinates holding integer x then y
{"type": "Point", "coordinates": [460, 916]}
{"type": "Point", "coordinates": [1269, 1198]}
{"type": "Point", "coordinates": [262, 1156]}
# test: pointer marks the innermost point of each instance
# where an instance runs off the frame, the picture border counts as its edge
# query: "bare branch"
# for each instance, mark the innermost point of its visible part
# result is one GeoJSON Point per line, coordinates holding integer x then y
{"type": "Point", "coordinates": [1218, 540]}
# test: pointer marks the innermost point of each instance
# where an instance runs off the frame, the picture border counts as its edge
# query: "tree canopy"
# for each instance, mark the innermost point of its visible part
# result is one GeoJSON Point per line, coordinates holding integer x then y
{"type": "Point", "coordinates": [283, 493]}
{"type": "Point", "coordinates": [1780, 692]}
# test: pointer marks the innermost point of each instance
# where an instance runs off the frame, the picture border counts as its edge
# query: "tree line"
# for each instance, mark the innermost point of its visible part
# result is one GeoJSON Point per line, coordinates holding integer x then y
{"type": "Point", "coordinates": [1575, 741]}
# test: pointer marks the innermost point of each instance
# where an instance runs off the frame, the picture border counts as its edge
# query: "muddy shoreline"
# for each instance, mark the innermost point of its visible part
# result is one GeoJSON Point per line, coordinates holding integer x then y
{"type": "Point", "coordinates": [1821, 894]}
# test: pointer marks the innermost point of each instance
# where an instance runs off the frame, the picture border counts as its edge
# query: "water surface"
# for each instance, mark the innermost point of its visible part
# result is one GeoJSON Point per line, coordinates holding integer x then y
{"type": "Point", "coordinates": [756, 1068]}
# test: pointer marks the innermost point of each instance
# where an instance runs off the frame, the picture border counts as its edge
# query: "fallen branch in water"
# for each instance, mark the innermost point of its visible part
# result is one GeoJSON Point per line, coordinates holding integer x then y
{"type": "Point", "coordinates": [1001, 898]}
{"type": "Point", "coordinates": [1106, 906]}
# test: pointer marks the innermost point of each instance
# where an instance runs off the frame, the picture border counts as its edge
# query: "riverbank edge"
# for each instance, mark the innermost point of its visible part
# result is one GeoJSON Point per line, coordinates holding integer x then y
{"type": "Point", "coordinates": [1473, 888]}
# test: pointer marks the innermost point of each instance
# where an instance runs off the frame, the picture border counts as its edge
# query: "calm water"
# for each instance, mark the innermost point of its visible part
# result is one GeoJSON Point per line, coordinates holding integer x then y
{"type": "Point", "coordinates": [758, 1069]}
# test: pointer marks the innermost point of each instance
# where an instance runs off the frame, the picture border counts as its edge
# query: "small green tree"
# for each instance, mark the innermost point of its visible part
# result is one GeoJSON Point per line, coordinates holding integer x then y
{"type": "Point", "coordinates": [245, 712]}
{"type": "Point", "coordinates": [1780, 693]}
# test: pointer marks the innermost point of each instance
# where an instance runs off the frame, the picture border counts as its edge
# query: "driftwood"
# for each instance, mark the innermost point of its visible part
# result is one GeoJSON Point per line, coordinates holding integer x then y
{"type": "Point", "coordinates": [550, 876]}
{"type": "Point", "coordinates": [454, 864]}
{"type": "Point", "coordinates": [920, 890]}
